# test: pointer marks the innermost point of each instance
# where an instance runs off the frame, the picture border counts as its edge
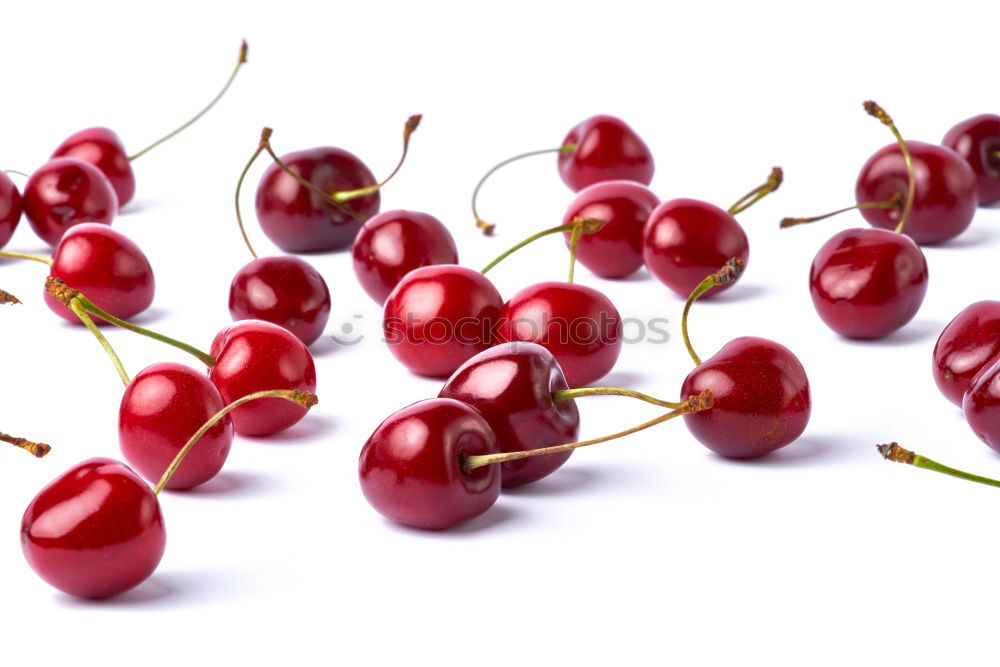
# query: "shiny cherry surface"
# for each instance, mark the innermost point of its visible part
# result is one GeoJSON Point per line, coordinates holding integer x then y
{"type": "Point", "coordinates": [65, 192]}
{"type": "Point", "coordinates": [946, 191]}
{"type": "Point", "coordinates": [108, 267]}
{"type": "Point", "coordinates": [761, 395]}
{"type": "Point", "coordinates": [981, 405]}
{"type": "Point", "coordinates": [252, 356]}
{"type": "Point", "coordinates": [439, 316]}
{"type": "Point", "coordinates": [867, 283]}
{"type": "Point", "coordinates": [102, 148]}
{"type": "Point", "coordinates": [685, 240]}
{"type": "Point", "coordinates": [10, 208]}
{"type": "Point", "coordinates": [393, 243]}
{"type": "Point", "coordinates": [977, 139]}
{"type": "Point", "coordinates": [286, 291]}
{"type": "Point", "coordinates": [615, 250]}
{"type": "Point", "coordinates": [607, 149]}
{"type": "Point", "coordinates": [95, 531]}
{"type": "Point", "coordinates": [968, 344]}
{"type": "Point", "coordinates": [412, 470]}
{"type": "Point", "coordinates": [577, 324]}
{"type": "Point", "coordinates": [163, 406]}
{"type": "Point", "coordinates": [298, 220]}
{"type": "Point", "coordinates": [511, 386]}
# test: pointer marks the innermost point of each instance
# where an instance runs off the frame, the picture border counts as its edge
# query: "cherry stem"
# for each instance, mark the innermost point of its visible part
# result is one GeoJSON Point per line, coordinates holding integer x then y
{"type": "Point", "coordinates": [15, 171]}
{"type": "Point", "coordinates": [772, 183]}
{"type": "Point", "coordinates": [565, 394]}
{"type": "Point", "coordinates": [488, 228]}
{"type": "Point", "coordinates": [265, 136]}
{"type": "Point", "coordinates": [22, 255]}
{"type": "Point", "coordinates": [702, 401]}
{"type": "Point", "coordinates": [75, 306]}
{"type": "Point", "coordinates": [65, 294]}
{"type": "Point", "coordinates": [895, 202]}
{"type": "Point", "coordinates": [303, 398]}
{"type": "Point", "coordinates": [732, 270]}
{"type": "Point", "coordinates": [893, 452]}
{"type": "Point", "coordinates": [586, 225]}
{"type": "Point", "coordinates": [7, 297]}
{"type": "Point", "coordinates": [412, 123]}
{"type": "Point", "coordinates": [239, 64]}
{"type": "Point", "coordinates": [38, 449]}
{"type": "Point", "coordinates": [878, 112]}
{"type": "Point", "coordinates": [574, 241]}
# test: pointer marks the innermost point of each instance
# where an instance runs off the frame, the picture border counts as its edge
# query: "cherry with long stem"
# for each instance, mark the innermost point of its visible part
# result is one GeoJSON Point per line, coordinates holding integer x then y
{"type": "Point", "coordinates": [577, 226]}
{"type": "Point", "coordinates": [727, 274]}
{"type": "Point", "coordinates": [772, 183]}
{"type": "Point", "coordinates": [893, 452]}
{"type": "Point", "coordinates": [36, 449]}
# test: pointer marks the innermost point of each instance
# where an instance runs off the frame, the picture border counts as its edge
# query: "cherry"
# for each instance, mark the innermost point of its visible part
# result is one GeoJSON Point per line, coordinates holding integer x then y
{"type": "Point", "coordinates": [162, 407]}
{"type": "Point", "coordinates": [969, 343]}
{"type": "Point", "coordinates": [981, 405]}
{"type": "Point", "coordinates": [10, 208]}
{"type": "Point", "coordinates": [393, 243]}
{"type": "Point", "coordinates": [286, 291]}
{"type": "Point", "coordinates": [977, 139]}
{"type": "Point", "coordinates": [65, 192]}
{"type": "Point", "coordinates": [412, 467]}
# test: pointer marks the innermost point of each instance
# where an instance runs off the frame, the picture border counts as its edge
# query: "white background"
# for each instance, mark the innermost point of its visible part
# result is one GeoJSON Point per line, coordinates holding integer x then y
{"type": "Point", "coordinates": [646, 551]}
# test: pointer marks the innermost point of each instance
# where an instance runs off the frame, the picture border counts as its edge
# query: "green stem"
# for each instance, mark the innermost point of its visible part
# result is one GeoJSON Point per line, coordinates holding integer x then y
{"type": "Point", "coordinates": [22, 255]}
{"type": "Point", "coordinates": [727, 274]}
{"type": "Point", "coordinates": [878, 112]}
{"type": "Point", "coordinates": [265, 135]}
{"type": "Point", "coordinates": [37, 449]}
{"type": "Point", "coordinates": [15, 171]}
{"type": "Point", "coordinates": [412, 123]}
{"type": "Point", "coordinates": [574, 241]}
{"type": "Point", "coordinates": [772, 183]}
{"type": "Point", "coordinates": [894, 202]}
{"type": "Point", "coordinates": [581, 225]}
{"type": "Point", "coordinates": [77, 308]}
{"type": "Point", "coordinates": [565, 394]}
{"type": "Point", "coordinates": [893, 452]}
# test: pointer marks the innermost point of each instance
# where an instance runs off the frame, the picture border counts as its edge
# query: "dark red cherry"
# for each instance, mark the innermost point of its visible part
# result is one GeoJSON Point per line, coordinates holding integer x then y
{"type": "Point", "coordinates": [393, 243]}
{"type": "Point", "coordinates": [511, 386]}
{"type": "Point", "coordinates": [761, 398]}
{"type": "Point", "coordinates": [577, 324]}
{"type": "Point", "coordinates": [286, 291]}
{"type": "Point", "coordinates": [95, 531]}
{"type": "Point", "coordinates": [866, 283]}
{"type": "Point", "coordinates": [298, 220]}
{"type": "Point", "coordinates": [685, 239]}
{"type": "Point", "coordinates": [968, 344]}
{"type": "Point", "coordinates": [162, 408]}
{"type": "Point", "coordinates": [102, 148]}
{"type": "Point", "coordinates": [615, 250]}
{"type": "Point", "coordinates": [412, 467]}
{"type": "Point", "coordinates": [606, 149]}
{"type": "Point", "coordinates": [945, 198]}
{"type": "Point", "coordinates": [981, 405]}
{"type": "Point", "coordinates": [977, 139]}
{"type": "Point", "coordinates": [107, 267]}
{"type": "Point", "coordinates": [439, 316]}
{"type": "Point", "coordinates": [65, 192]}
{"type": "Point", "coordinates": [252, 356]}
{"type": "Point", "coordinates": [10, 208]}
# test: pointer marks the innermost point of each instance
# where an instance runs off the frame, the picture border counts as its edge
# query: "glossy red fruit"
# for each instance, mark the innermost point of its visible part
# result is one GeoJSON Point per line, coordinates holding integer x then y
{"type": "Point", "coordinates": [945, 197]}
{"type": "Point", "coordinates": [64, 192]}
{"type": "Point", "coordinates": [393, 243]}
{"type": "Point", "coordinates": [298, 220]}
{"type": "Point", "coordinates": [511, 386]}
{"type": "Point", "coordinates": [968, 344]}
{"type": "Point", "coordinates": [412, 467]}
{"type": "Point", "coordinates": [10, 208]}
{"type": "Point", "coordinates": [977, 139]}
{"type": "Point", "coordinates": [685, 240]}
{"type": "Point", "coordinates": [981, 405]}
{"type": "Point", "coordinates": [577, 324]}
{"type": "Point", "coordinates": [286, 291]}
{"type": "Point", "coordinates": [607, 149]}
{"type": "Point", "coordinates": [108, 267]}
{"type": "Point", "coordinates": [252, 356]}
{"type": "Point", "coordinates": [162, 408]}
{"type": "Point", "coordinates": [102, 148]}
{"type": "Point", "coordinates": [866, 283]}
{"type": "Point", "coordinates": [761, 398]}
{"type": "Point", "coordinates": [439, 316]}
{"type": "Point", "coordinates": [615, 250]}
{"type": "Point", "coordinates": [95, 531]}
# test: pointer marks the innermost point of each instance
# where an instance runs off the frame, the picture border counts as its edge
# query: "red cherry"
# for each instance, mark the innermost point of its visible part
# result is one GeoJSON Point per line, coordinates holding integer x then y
{"type": "Point", "coordinates": [286, 291]}
{"type": "Point", "coordinates": [10, 208]}
{"type": "Point", "coordinates": [969, 343]}
{"type": "Point", "coordinates": [65, 192]}
{"type": "Point", "coordinates": [978, 141]}
{"type": "Point", "coordinates": [252, 356]}
{"type": "Point", "coordinates": [95, 531]}
{"type": "Point", "coordinates": [393, 243]}
{"type": "Point", "coordinates": [981, 405]}
{"type": "Point", "coordinates": [102, 148]}
{"type": "Point", "coordinates": [511, 386]}
{"type": "Point", "coordinates": [162, 408]}
{"type": "Point", "coordinates": [439, 316]}
{"type": "Point", "coordinates": [107, 267]}
{"type": "Point", "coordinates": [866, 283]}
{"type": "Point", "coordinates": [577, 324]}
{"type": "Point", "coordinates": [614, 251]}
{"type": "Point", "coordinates": [606, 149]}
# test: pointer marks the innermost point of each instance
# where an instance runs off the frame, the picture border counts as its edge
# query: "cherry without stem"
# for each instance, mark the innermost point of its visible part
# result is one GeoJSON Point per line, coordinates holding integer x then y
{"type": "Point", "coordinates": [10, 208]}
{"type": "Point", "coordinates": [977, 140]}
{"type": "Point", "coordinates": [969, 343]}
{"type": "Point", "coordinates": [65, 192]}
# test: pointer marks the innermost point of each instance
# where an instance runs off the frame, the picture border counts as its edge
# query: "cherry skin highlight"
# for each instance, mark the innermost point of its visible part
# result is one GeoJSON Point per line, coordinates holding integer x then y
{"type": "Point", "coordinates": [102, 148]}
{"type": "Point", "coordinates": [577, 324]}
{"type": "Point", "coordinates": [10, 208]}
{"type": "Point", "coordinates": [686, 239]}
{"type": "Point", "coordinates": [867, 283]}
{"type": "Point", "coordinates": [286, 291]}
{"type": "Point", "coordinates": [95, 531]}
{"type": "Point", "coordinates": [977, 139]}
{"type": "Point", "coordinates": [607, 149]}
{"type": "Point", "coordinates": [969, 343]}
{"type": "Point", "coordinates": [393, 243]}
{"type": "Point", "coordinates": [981, 405]}
{"type": "Point", "coordinates": [511, 386]}
{"type": "Point", "coordinates": [615, 250]}
{"type": "Point", "coordinates": [252, 356]}
{"type": "Point", "coordinates": [65, 192]}
{"type": "Point", "coordinates": [298, 220]}
{"type": "Point", "coordinates": [163, 406]}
